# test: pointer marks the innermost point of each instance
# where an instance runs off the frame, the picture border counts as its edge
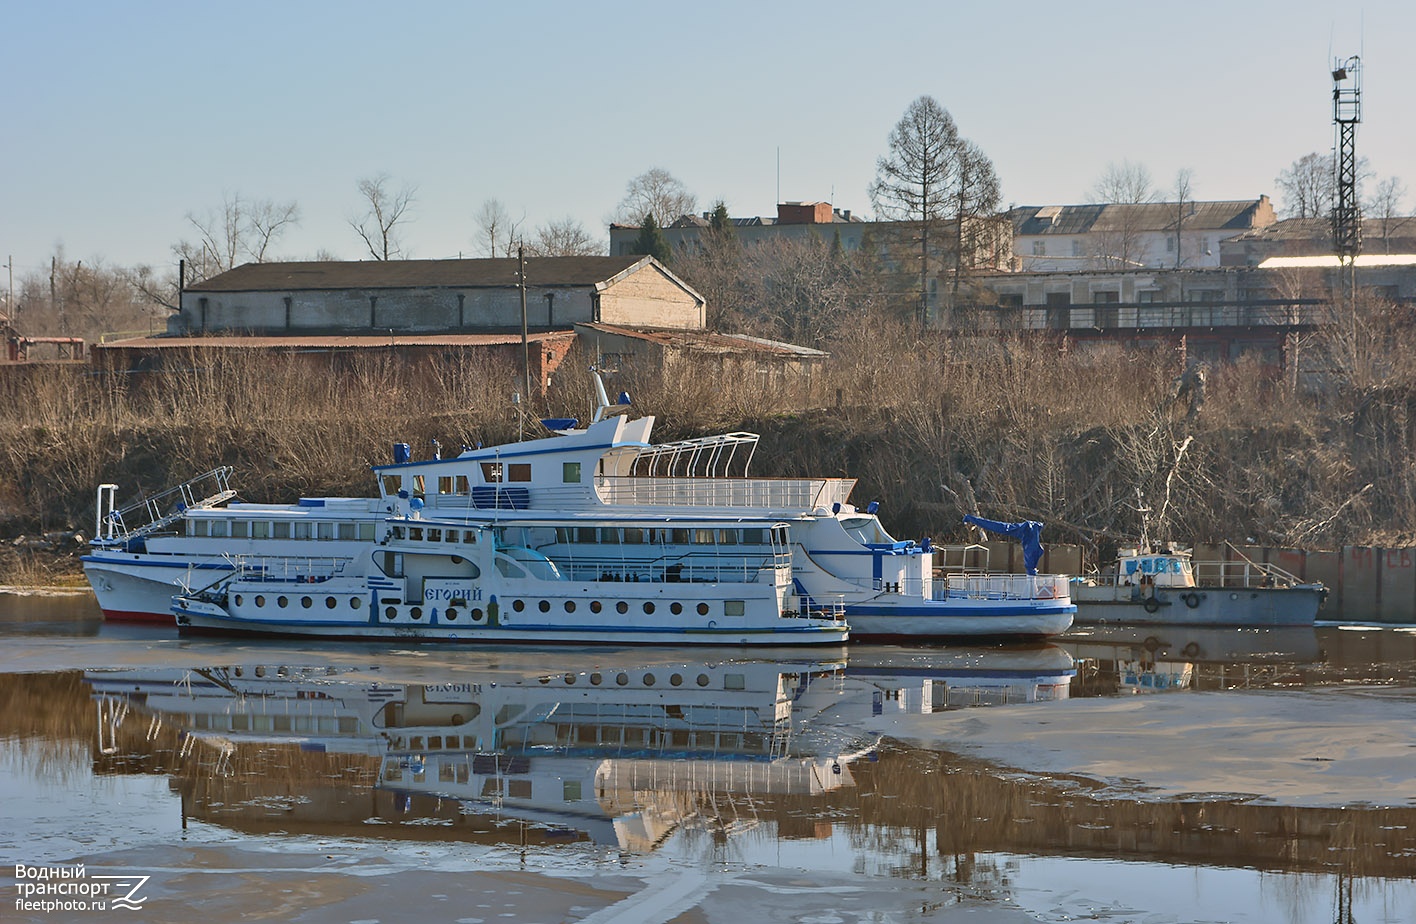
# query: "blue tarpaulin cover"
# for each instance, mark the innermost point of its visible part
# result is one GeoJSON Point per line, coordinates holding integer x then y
{"type": "Point", "coordinates": [1028, 532]}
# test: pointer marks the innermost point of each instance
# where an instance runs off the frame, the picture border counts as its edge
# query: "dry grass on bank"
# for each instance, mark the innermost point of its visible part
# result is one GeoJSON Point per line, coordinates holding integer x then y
{"type": "Point", "coordinates": [1102, 444]}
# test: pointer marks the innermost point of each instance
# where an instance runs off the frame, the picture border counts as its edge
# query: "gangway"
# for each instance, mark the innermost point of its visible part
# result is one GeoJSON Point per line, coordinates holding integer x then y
{"type": "Point", "coordinates": [158, 510]}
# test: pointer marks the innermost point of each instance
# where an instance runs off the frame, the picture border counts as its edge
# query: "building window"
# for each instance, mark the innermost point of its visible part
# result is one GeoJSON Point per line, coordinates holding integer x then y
{"type": "Point", "coordinates": [1169, 244]}
{"type": "Point", "coordinates": [1039, 248]}
{"type": "Point", "coordinates": [1077, 249]}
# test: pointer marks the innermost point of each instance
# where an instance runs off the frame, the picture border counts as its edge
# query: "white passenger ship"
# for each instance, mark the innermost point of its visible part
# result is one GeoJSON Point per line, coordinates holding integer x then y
{"type": "Point", "coordinates": [589, 534]}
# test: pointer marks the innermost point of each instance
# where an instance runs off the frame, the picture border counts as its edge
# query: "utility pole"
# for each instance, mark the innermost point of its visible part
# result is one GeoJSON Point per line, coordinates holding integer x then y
{"type": "Point", "coordinates": [10, 265]}
{"type": "Point", "coordinates": [525, 348]}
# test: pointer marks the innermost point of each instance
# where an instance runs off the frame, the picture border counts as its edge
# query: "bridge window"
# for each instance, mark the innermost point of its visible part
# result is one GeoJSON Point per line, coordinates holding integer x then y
{"type": "Point", "coordinates": [570, 472]}
{"type": "Point", "coordinates": [444, 484]}
{"type": "Point", "coordinates": [519, 471]}
{"type": "Point", "coordinates": [491, 472]}
{"type": "Point", "coordinates": [392, 484]}
{"type": "Point", "coordinates": [418, 485]}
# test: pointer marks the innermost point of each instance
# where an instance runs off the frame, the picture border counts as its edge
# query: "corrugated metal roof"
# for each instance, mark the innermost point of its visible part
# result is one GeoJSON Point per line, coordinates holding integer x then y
{"type": "Point", "coordinates": [1320, 229]}
{"type": "Point", "coordinates": [1148, 216]}
{"type": "Point", "coordinates": [328, 342]}
{"type": "Point", "coordinates": [708, 341]}
{"type": "Point", "coordinates": [404, 274]}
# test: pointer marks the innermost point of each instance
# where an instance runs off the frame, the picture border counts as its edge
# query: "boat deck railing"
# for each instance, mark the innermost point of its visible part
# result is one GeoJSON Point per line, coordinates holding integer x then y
{"type": "Point", "coordinates": [687, 568]}
{"type": "Point", "coordinates": [1237, 574]}
{"type": "Point", "coordinates": [970, 586]}
{"type": "Point", "coordinates": [295, 570]}
{"type": "Point", "coordinates": [156, 511]}
{"type": "Point", "coordinates": [768, 493]}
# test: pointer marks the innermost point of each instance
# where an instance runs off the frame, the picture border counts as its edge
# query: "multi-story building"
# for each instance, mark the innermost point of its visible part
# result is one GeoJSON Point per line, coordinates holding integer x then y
{"type": "Point", "coordinates": [1177, 235]}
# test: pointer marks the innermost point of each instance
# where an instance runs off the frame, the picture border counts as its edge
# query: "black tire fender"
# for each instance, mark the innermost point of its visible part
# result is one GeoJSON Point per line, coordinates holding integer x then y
{"type": "Point", "coordinates": [1151, 604]}
{"type": "Point", "coordinates": [1191, 599]}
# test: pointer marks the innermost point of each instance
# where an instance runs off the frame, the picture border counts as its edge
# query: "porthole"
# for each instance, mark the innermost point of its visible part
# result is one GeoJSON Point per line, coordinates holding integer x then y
{"type": "Point", "coordinates": [676, 680]}
{"type": "Point", "coordinates": [391, 612]}
{"type": "Point", "coordinates": [544, 606]}
{"type": "Point", "coordinates": [239, 601]}
{"type": "Point", "coordinates": [622, 679]}
{"type": "Point", "coordinates": [675, 607]}
{"type": "Point", "coordinates": [621, 607]}
{"type": "Point", "coordinates": [356, 603]}
{"type": "Point", "coordinates": [648, 607]}
{"type": "Point", "coordinates": [306, 602]}
{"type": "Point", "coordinates": [595, 606]}
{"type": "Point", "coordinates": [570, 606]}
{"type": "Point", "coordinates": [518, 605]}
{"type": "Point", "coordinates": [648, 680]}
{"type": "Point", "coordinates": [595, 679]}
{"type": "Point", "coordinates": [703, 680]}
{"type": "Point", "coordinates": [477, 614]}
{"type": "Point", "coordinates": [702, 609]}
{"type": "Point", "coordinates": [451, 613]}
{"type": "Point", "coordinates": [570, 680]}
{"type": "Point", "coordinates": [331, 603]}
{"type": "Point", "coordinates": [260, 600]}
{"type": "Point", "coordinates": [416, 612]}
{"type": "Point", "coordinates": [282, 602]}
{"type": "Point", "coordinates": [260, 670]}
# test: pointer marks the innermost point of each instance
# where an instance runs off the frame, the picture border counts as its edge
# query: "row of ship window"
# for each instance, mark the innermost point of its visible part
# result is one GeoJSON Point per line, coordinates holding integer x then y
{"type": "Point", "coordinates": [610, 535]}
{"type": "Point", "coordinates": [492, 473]}
{"type": "Point", "coordinates": [280, 529]}
{"type": "Point", "coordinates": [730, 607]}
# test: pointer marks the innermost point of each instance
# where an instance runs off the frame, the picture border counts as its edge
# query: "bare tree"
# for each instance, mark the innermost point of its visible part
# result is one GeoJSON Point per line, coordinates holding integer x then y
{"type": "Point", "coordinates": [564, 238]}
{"type": "Point", "coordinates": [912, 181]}
{"type": "Point", "coordinates": [1125, 183]}
{"type": "Point", "coordinates": [387, 210]}
{"type": "Point", "coordinates": [1183, 191]}
{"type": "Point", "coordinates": [974, 204]}
{"type": "Point", "coordinates": [1306, 187]}
{"type": "Point", "coordinates": [655, 192]}
{"type": "Point", "coordinates": [1385, 207]}
{"type": "Point", "coordinates": [930, 176]}
{"type": "Point", "coordinates": [239, 228]}
{"type": "Point", "coordinates": [1118, 241]}
{"type": "Point", "coordinates": [498, 232]}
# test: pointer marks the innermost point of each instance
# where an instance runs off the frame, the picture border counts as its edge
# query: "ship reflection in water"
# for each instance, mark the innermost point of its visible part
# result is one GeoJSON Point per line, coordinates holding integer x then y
{"type": "Point", "coordinates": [669, 762]}
{"type": "Point", "coordinates": [621, 754]}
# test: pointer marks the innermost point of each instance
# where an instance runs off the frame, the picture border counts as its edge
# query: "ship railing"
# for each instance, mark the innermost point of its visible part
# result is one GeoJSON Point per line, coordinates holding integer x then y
{"type": "Point", "coordinates": [686, 568]}
{"type": "Point", "coordinates": [967, 586]}
{"type": "Point", "coordinates": [287, 569]}
{"type": "Point", "coordinates": [1237, 574]}
{"type": "Point", "coordinates": [157, 511]}
{"type": "Point", "coordinates": [823, 606]}
{"type": "Point", "coordinates": [769, 493]}
{"type": "Point", "coordinates": [1242, 574]}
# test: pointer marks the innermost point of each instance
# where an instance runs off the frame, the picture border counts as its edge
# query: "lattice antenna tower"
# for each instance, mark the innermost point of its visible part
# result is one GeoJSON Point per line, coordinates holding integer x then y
{"type": "Point", "coordinates": [1346, 113]}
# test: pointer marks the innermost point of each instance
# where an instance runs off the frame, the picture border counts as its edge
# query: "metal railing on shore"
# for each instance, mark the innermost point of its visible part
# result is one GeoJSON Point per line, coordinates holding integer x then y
{"type": "Point", "coordinates": [1300, 312]}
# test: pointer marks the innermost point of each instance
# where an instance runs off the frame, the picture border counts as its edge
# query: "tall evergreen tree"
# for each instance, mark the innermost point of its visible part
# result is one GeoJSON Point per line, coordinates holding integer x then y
{"type": "Point", "coordinates": [720, 224]}
{"type": "Point", "coordinates": [651, 241]}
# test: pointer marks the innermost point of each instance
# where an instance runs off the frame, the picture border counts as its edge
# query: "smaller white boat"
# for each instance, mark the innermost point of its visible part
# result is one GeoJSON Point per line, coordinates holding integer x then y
{"type": "Point", "coordinates": [451, 581]}
{"type": "Point", "coordinates": [1168, 588]}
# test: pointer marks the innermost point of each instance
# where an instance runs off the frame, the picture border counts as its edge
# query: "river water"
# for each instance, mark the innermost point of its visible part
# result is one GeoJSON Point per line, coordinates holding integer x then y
{"type": "Point", "coordinates": [1161, 775]}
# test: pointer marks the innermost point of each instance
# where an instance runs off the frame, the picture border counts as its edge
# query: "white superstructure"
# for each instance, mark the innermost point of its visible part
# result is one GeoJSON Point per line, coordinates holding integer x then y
{"type": "Point", "coordinates": [591, 528]}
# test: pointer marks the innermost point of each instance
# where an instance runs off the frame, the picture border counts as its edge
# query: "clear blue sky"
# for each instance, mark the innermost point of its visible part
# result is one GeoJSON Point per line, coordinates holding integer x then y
{"type": "Point", "coordinates": [120, 118]}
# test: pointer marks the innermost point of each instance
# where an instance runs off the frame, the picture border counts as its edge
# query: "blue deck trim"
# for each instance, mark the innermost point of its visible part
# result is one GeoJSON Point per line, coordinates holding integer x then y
{"type": "Point", "coordinates": [154, 564]}
{"type": "Point", "coordinates": [502, 456]}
